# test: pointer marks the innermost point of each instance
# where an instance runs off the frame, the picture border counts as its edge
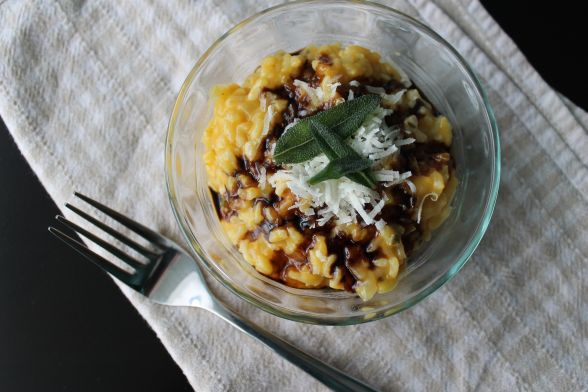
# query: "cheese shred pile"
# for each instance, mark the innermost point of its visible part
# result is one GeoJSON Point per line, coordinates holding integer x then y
{"type": "Point", "coordinates": [343, 199]}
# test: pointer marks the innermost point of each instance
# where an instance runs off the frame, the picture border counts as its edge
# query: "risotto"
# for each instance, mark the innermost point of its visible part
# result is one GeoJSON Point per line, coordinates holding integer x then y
{"type": "Point", "coordinates": [328, 168]}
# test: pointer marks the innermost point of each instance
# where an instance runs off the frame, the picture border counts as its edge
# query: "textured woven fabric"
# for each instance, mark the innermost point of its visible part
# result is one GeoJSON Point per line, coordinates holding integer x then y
{"type": "Point", "coordinates": [86, 89]}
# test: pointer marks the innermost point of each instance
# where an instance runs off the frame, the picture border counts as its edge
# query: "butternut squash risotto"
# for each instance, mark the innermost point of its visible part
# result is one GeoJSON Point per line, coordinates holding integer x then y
{"type": "Point", "coordinates": [338, 232]}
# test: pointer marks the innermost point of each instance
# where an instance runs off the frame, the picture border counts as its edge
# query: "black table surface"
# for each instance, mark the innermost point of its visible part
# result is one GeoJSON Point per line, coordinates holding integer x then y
{"type": "Point", "coordinates": [66, 327]}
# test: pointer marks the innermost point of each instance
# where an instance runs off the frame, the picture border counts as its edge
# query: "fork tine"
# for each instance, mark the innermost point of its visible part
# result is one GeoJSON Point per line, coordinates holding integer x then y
{"type": "Point", "coordinates": [119, 236]}
{"type": "Point", "coordinates": [109, 247]}
{"type": "Point", "coordinates": [100, 261]}
{"type": "Point", "coordinates": [131, 224]}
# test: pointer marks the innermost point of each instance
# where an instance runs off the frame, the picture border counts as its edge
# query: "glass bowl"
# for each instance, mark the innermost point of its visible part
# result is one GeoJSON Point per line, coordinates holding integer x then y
{"type": "Point", "coordinates": [432, 64]}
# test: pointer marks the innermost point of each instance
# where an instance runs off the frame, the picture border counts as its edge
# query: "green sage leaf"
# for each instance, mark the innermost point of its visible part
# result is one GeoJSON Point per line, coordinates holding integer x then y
{"type": "Point", "coordinates": [335, 148]}
{"type": "Point", "coordinates": [297, 144]}
{"type": "Point", "coordinates": [340, 167]}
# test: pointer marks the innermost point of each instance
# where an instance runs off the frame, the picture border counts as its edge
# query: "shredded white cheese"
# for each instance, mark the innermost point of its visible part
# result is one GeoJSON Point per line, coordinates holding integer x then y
{"type": "Point", "coordinates": [263, 101]}
{"type": "Point", "coordinates": [377, 208]}
{"type": "Point", "coordinates": [404, 142]}
{"type": "Point", "coordinates": [391, 99]}
{"type": "Point", "coordinates": [387, 175]}
{"type": "Point", "coordinates": [401, 178]}
{"type": "Point", "coordinates": [262, 176]}
{"type": "Point", "coordinates": [318, 95]}
{"type": "Point", "coordinates": [269, 115]}
{"type": "Point", "coordinates": [433, 197]}
{"type": "Point", "coordinates": [411, 186]}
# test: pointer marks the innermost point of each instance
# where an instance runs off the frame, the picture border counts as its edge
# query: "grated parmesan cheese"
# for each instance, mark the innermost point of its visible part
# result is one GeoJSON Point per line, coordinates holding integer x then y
{"type": "Point", "coordinates": [433, 197]}
{"type": "Point", "coordinates": [350, 96]}
{"type": "Point", "coordinates": [263, 101]}
{"type": "Point", "coordinates": [411, 186]}
{"type": "Point", "coordinates": [401, 178]}
{"type": "Point", "coordinates": [391, 99]}
{"type": "Point", "coordinates": [262, 176]}
{"type": "Point", "coordinates": [404, 142]}
{"type": "Point", "coordinates": [387, 175]}
{"type": "Point", "coordinates": [380, 223]}
{"type": "Point", "coordinates": [375, 90]}
{"type": "Point", "coordinates": [269, 115]}
{"type": "Point", "coordinates": [377, 208]}
{"type": "Point", "coordinates": [318, 95]}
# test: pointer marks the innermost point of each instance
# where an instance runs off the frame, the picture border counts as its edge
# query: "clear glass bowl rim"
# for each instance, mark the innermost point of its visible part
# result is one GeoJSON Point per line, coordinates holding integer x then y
{"type": "Point", "coordinates": [460, 262]}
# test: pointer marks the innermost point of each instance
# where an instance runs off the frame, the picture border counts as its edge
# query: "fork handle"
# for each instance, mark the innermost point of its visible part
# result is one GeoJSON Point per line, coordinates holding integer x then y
{"type": "Point", "coordinates": [326, 374]}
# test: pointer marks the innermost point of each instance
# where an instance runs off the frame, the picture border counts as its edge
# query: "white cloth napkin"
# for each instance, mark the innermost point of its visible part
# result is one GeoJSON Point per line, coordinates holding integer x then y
{"type": "Point", "coordinates": [86, 89]}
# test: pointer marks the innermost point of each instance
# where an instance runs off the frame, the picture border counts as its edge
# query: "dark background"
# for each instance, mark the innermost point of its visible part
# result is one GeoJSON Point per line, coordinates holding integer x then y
{"type": "Point", "coordinates": [64, 326]}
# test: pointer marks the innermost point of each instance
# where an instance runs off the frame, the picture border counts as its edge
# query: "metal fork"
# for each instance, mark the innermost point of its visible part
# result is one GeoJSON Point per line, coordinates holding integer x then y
{"type": "Point", "coordinates": [172, 277]}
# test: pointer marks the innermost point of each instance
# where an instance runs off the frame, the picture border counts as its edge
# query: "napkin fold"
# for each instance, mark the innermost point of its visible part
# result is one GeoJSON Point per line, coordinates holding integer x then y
{"type": "Point", "coordinates": [86, 89]}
